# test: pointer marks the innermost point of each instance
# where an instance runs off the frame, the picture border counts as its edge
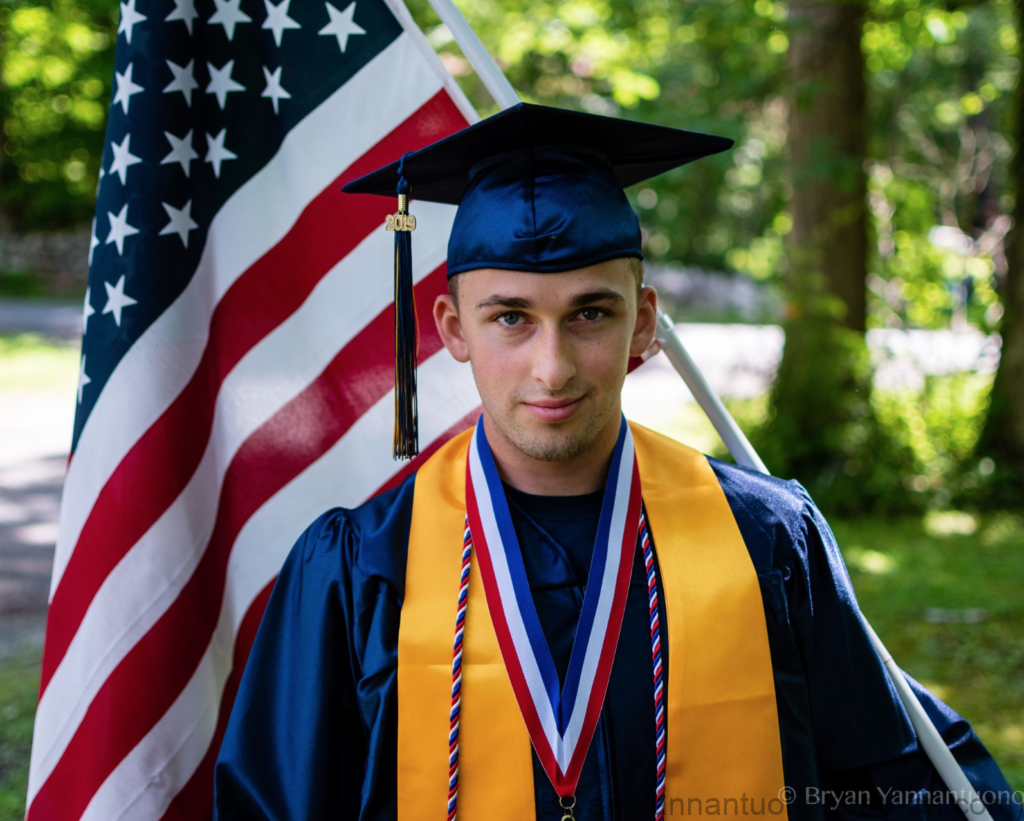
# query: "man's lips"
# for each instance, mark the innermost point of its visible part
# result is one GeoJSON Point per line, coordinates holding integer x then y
{"type": "Point", "coordinates": [553, 410]}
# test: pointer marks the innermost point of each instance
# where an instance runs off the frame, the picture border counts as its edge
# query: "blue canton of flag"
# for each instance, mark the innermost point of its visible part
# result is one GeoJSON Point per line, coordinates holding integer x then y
{"type": "Point", "coordinates": [201, 101]}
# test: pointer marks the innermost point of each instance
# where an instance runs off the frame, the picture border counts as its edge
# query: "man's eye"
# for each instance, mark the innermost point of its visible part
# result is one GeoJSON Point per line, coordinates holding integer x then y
{"type": "Point", "coordinates": [510, 319]}
{"type": "Point", "coordinates": [591, 314]}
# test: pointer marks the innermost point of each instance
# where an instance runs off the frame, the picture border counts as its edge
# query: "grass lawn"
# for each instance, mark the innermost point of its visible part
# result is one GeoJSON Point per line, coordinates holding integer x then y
{"type": "Point", "coordinates": [19, 686]}
{"type": "Point", "coordinates": [946, 595]}
{"type": "Point", "coordinates": [30, 362]}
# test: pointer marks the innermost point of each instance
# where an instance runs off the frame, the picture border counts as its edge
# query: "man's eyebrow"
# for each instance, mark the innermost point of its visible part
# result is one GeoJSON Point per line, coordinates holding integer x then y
{"type": "Point", "coordinates": [498, 300]}
{"type": "Point", "coordinates": [523, 304]}
{"type": "Point", "coordinates": [603, 295]}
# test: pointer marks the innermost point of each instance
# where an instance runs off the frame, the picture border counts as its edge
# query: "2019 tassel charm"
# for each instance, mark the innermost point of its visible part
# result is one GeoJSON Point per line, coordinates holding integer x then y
{"type": "Point", "coordinates": [406, 438]}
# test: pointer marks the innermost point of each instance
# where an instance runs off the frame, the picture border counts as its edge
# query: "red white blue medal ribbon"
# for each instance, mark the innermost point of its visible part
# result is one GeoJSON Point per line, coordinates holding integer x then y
{"type": "Point", "coordinates": [561, 723]}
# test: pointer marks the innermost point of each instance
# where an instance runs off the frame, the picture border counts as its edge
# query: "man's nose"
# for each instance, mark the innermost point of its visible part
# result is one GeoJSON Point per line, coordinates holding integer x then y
{"type": "Point", "coordinates": [553, 360]}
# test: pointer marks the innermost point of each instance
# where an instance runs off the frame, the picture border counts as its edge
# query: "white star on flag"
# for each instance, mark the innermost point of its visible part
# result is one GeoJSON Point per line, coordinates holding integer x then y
{"type": "Point", "coordinates": [83, 379]}
{"type": "Point", "coordinates": [181, 151]}
{"type": "Point", "coordinates": [216, 153]}
{"type": "Point", "coordinates": [125, 88]}
{"type": "Point", "coordinates": [87, 309]}
{"type": "Point", "coordinates": [129, 19]}
{"type": "Point", "coordinates": [123, 158]}
{"type": "Point", "coordinates": [117, 300]}
{"type": "Point", "coordinates": [221, 83]}
{"type": "Point", "coordinates": [273, 89]}
{"type": "Point", "coordinates": [229, 15]}
{"type": "Point", "coordinates": [120, 229]}
{"type": "Point", "coordinates": [93, 242]}
{"type": "Point", "coordinates": [184, 80]}
{"type": "Point", "coordinates": [278, 20]}
{"type": "Point", "coordinates": [181, 221]}
{"type": "Point", "coordinates": [342, 24]}
{"type": "Point", "coordinates": [184, 10]}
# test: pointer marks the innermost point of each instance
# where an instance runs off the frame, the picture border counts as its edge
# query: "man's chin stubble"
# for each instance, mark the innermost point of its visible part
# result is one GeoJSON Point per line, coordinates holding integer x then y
{"type": "Point", "coordinates": [560, 449]}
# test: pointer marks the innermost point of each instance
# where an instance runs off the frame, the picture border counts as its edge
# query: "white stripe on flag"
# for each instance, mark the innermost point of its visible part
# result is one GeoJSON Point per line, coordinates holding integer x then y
{"type": "Point", "coordinates": [177, 744]}
{"type": "Point", "coordinates": [256, 217]}
{"type": "Point", "coordinates": [152, 574]}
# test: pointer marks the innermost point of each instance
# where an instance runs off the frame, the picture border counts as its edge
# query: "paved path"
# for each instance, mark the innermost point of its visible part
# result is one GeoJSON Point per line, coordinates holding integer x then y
{"type": "Point", "coordinates": [35, 434]}
{"type": "Point", "coordinates": [59, 320]}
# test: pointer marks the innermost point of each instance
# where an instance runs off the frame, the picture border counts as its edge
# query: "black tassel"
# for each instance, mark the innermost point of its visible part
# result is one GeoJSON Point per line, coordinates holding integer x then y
{"type": "Point", "coordinates": [406, 441]}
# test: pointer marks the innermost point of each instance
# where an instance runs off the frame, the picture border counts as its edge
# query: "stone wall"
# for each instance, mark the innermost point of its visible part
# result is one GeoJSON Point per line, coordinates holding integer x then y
{"type": "Point", "coordinates": [58, 259]}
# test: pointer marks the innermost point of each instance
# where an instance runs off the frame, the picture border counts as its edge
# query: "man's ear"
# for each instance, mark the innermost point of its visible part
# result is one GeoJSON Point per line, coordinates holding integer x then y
{"type": "Point", "coordinates": [646, 322]}
{"type": "Point", "coordinates": [449, 328]}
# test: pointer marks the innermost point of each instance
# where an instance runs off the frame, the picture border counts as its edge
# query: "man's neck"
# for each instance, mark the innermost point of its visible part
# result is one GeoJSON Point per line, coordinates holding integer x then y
{"type": "Point", "coordinates": [585, 473]}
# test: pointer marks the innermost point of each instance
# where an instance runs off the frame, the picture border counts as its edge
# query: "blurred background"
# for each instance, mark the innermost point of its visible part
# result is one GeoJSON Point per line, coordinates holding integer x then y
{"type": "Point", "coordinates": [848, 276]}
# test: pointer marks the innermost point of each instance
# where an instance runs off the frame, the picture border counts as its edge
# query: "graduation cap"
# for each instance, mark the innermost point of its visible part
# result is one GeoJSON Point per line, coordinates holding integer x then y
{"type": "Point", "coordinates": [539, 189]}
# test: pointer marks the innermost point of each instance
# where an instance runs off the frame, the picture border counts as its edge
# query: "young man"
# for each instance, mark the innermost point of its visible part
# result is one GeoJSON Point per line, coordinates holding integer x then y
{"type": "Point", "coordinates": [562, 615]}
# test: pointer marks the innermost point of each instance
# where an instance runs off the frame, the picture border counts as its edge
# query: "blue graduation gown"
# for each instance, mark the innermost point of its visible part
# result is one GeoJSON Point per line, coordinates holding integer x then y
{"type": "Point", "coordinates": [313, 732]}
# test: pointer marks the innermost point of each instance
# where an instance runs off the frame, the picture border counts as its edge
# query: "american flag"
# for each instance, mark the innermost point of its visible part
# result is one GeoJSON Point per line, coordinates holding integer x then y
{"type": "Point", "coordinates": [237, 369]}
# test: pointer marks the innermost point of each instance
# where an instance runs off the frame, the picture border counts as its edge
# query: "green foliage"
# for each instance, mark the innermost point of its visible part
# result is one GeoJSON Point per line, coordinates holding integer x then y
{"type": "Point", "coordinates": [56, 65]}
{"type": "Point", "coordinates": [939, 426]}
{"type": "Point", "coordinates": [941, 79]}
{"type": "Point", "coordinates": [703, 65]}
{"type": "Point", "coordinates": [884, 451]}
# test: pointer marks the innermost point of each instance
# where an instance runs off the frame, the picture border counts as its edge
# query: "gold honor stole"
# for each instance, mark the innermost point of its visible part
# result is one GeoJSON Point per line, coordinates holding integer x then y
{"type": "Point", "coordinates": [722, 729]}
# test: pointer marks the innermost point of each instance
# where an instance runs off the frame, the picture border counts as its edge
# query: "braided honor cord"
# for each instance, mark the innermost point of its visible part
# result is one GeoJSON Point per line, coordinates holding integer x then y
{"type": "Point", "coordinates": [659, 703]}
{"type": "Point", "coordinates": [453, 715]}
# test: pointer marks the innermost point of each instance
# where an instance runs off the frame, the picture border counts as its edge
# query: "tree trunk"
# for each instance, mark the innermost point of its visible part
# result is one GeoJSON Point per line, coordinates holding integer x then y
{"type": "Point", "coordinates": [821, 424]}
{"type": "Point", "coordinates": [827, 247]}
{"type": "Point", "coordinates": [1002, 439]}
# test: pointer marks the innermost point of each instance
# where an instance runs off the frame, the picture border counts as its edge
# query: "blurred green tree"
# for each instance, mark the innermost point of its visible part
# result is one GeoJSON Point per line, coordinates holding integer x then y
{"type": "Point", "coordinates": [1002, 439]}
{"type": "Point", "coordinates": [701, 65]}
{"type": "Point", "coordinates": [821, 423]}
{"type": "Point", "coordinates": [56, 65]}
{"type": "Point", "coordinates": [940, 76]}
{"type": "Point", "coordinates": [927, 142]}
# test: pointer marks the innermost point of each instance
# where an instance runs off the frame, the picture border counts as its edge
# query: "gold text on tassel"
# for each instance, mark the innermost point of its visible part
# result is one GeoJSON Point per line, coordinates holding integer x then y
{"type": "Point", "coordinates": [403, 220]}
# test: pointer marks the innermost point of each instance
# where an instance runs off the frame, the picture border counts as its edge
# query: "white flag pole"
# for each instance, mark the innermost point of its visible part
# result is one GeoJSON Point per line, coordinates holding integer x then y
{"type": "Point", "coordinates": [742, 451]}
{"type": "Point", "coordinates": [739, 446]}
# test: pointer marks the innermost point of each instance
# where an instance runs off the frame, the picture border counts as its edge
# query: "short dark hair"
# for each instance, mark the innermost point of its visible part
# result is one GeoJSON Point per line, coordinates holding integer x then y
{"type": "Point", "coordinates": [636, 267]}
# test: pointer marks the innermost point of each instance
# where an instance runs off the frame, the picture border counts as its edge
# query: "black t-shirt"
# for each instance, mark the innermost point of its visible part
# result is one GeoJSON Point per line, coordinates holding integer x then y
{"type": "Point", "coordinates": [556, 535]}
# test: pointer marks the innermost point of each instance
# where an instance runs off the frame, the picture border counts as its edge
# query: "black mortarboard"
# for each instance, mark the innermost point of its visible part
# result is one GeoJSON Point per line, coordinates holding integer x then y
{"type": "Point", "coordinates": [539, 189]}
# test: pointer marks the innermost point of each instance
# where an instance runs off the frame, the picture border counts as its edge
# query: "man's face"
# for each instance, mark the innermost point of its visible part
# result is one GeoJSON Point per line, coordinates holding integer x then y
{"type": "Point", "coordinates": [549, 351]}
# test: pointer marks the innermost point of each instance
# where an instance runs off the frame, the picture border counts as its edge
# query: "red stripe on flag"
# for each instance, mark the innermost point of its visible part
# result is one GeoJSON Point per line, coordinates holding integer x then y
{"type": "Point", "coordinates": [160, 464]}
{"type": "Point", "coordinates": [148, 680]}
{"type": "Point", "coordinates": [195, 800]}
